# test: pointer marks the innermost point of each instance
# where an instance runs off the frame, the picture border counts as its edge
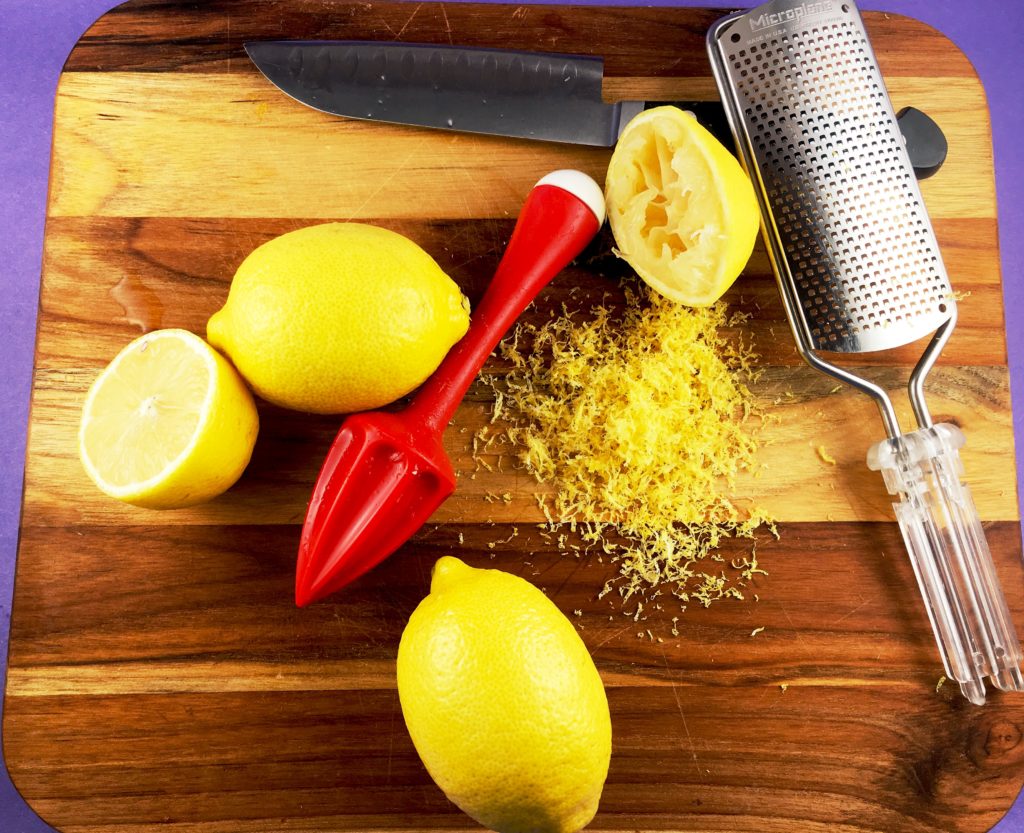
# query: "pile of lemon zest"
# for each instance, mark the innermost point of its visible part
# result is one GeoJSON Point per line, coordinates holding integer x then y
{"type": "Point", "coordinates": [642, 421]}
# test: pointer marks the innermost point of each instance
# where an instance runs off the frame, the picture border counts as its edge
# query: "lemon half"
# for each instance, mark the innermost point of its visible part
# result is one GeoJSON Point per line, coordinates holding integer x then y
{"type": "Point", "coordinates": [681, 208]}
{"type": "Point", "coordinates": [168, 423]}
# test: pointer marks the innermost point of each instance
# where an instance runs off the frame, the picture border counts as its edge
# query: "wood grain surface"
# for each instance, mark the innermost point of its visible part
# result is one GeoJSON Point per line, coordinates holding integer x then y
{"type": "Point", "coordinates": [161, 678]}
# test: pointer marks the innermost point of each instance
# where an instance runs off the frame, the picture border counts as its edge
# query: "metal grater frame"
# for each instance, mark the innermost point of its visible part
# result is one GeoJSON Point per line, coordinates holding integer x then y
{"type": "Point", "coordinates": [859, 269]}
{"type": "Point", "coordinates": [851, 244]}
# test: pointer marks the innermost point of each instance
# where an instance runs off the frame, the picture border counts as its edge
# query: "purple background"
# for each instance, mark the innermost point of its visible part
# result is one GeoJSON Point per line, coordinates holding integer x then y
{"type": "Point", "coordinates": [36, 37]}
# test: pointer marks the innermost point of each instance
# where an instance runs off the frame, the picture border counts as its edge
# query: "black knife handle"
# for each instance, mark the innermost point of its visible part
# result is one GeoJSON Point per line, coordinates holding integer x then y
{"type": "Point", "coordinates": [926, 143]}
{"type": "Point", "coordinates": [710, 114]}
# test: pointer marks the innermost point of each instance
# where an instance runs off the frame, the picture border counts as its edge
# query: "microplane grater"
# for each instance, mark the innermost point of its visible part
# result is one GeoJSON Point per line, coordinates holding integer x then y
{"type": "Point", "coordinates": [859, 270]}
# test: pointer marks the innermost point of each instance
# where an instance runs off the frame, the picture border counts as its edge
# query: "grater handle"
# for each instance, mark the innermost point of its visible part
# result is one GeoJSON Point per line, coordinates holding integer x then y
{"type": "Point", "coordinates": [951, 558]}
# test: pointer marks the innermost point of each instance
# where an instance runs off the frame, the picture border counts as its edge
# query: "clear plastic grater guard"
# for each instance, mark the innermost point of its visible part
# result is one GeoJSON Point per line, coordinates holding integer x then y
{"type": "Point", "coordinates": [859, 270]}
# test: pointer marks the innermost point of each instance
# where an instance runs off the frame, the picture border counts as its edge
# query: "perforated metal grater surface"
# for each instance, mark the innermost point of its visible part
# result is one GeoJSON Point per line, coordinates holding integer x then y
{"type": "Point", "coordinates": [859, 269]}
{"type": "Point", "coordinates": [856, 243]}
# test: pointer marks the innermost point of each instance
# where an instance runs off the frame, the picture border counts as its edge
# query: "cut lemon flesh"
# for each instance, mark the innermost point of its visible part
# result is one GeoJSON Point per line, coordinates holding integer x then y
{"type": "Point", "coordinates": [682, 210]}
{"type": "Point", "coordinates": [168, 423]}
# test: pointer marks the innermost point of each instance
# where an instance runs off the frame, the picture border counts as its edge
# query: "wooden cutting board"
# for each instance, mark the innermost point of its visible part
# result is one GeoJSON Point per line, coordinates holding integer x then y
{"type": "Point", "coordinates": [160, 676]}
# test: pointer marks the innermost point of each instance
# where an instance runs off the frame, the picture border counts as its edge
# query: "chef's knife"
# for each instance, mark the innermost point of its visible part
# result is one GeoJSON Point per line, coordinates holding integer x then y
{"type": "Point", "coordinates": [528, 95]}
{"type": "Point", "coordinates": [501, 92]}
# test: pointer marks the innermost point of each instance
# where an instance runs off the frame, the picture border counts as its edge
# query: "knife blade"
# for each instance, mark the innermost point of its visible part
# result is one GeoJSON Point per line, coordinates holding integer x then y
{"type": "Point", "coordinates": [546, 96]}
{"type": "Point", "coordinates": [528, 95]}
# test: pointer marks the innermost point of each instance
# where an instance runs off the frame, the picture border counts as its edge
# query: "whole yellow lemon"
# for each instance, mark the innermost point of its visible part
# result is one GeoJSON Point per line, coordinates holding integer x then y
{"type": "Point", "coordinates": [338, 317]}
{"type": "Point", "coordinates": [503, 702]}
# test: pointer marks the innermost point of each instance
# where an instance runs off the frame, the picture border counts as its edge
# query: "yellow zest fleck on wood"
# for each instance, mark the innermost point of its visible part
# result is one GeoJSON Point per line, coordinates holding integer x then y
{"type": "Point", "coordinates": [825, 456]}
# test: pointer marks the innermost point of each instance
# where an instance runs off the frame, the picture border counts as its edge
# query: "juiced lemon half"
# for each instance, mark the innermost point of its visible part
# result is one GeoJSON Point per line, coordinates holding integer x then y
{"type": "Point", "coordinates": [682, 210]}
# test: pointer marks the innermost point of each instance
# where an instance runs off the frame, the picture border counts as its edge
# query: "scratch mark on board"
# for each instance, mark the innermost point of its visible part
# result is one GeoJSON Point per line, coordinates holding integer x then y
{"type": "Point", "coordinates": [796, 630]}
{"type": "Point", "coordinates": [686, 728]}
{"type": "Point", "coordinates": [398, 35]}
{"type": "Point", "coordinates": [610, 638]}
{"type": "Point", "coordinates": [447, 26]}
{"type": "Point", "coordinates": [474, 184]}
{"type": "Point", "coordinates": [850, 612]}
{"type": "Point", "coordinates": [397, 169]}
